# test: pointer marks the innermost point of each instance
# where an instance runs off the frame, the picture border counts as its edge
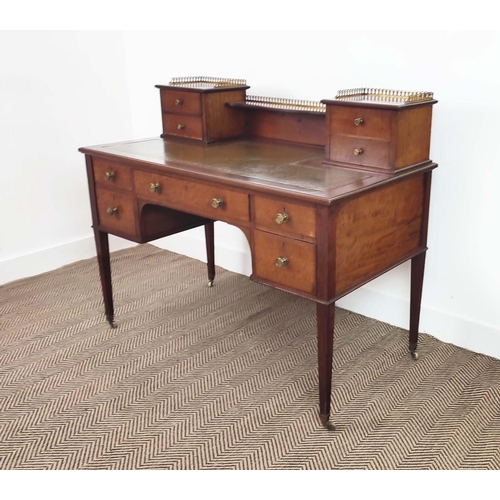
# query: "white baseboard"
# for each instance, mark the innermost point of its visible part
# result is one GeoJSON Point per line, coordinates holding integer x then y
{"type": "Point", "coordinates": [463, 332]}
{"type": "Point", "coordinates": [52, 258]}
{"type": "Point", "coordinates": [447, 327]}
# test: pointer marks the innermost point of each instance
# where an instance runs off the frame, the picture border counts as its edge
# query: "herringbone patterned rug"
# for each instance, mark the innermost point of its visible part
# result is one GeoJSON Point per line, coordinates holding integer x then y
{"type": "Point", "coordinates": [223, 378]}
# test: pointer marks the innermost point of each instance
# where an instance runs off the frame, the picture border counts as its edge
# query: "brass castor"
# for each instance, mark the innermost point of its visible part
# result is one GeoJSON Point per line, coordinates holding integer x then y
{"type": "Point", "coordinates": [329, 426]}
{"type": "Point", "coordinates": [325, 420]}
{"type": "Point", "coordinates": [210, 283]}
{"type": "Point", "coordinates": [111, 322]}
{"type": "Point", "coordinates": [414, 355]}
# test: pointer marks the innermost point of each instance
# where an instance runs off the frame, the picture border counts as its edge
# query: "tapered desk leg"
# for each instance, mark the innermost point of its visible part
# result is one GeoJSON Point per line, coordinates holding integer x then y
{"type": "Point", "coordinates": [209, 240]}
{"type": "Point", "coordinates": [417, 281]}
{"type": "Point", "coordinates": [325, 319]}
{"type": "Point", "coordinates": [102, 245]}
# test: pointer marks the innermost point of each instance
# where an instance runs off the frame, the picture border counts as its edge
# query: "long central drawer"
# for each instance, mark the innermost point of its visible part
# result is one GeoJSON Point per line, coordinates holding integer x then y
{"type": "Point", "coordinates": [210, 201]}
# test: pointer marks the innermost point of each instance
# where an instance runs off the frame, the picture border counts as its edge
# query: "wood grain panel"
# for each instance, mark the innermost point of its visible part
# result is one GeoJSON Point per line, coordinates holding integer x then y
{"type": "Point", "coordinates": [221, 121]}
{"type": "Point", "coordinates": [413, 136]}
{"type": "Point", "coordinates": [157, 222]}
{"type": "Point", "coordinates": [376, 230]}
{"type": "Point", "coordinates": [300, 272]}
{"type": "Point", "coordinates": [287, 126]}
{"type": "Point", "coordinates": [301, 218]}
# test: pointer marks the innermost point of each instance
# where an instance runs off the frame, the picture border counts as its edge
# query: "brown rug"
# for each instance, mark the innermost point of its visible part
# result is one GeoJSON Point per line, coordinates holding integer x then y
{"type": "Point", "coordinates": [224, 378]}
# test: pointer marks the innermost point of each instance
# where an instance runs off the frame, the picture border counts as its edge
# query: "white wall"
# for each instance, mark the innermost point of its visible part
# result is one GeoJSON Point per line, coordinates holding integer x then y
{"type": "Point", "coordinates": [58, 91]}
{"type": "Point", "coordinates": [63, 90]}
{"type": "Point", "coordinates": [461, 301]}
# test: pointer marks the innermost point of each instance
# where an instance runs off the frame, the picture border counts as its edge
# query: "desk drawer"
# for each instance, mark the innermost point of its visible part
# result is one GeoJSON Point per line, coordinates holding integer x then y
{"type": "Point", "coordinates": [362, 122]}
{"type": "Point", "coordinates": [371, 153]}
{"type": "Point", "coordinates": [112, 174]}
{"type": "Point", "coordinates": [214, 202]}
{"type": "Point", "coordinates": [180, 102]}
{"type": "Point", "coordinates": [116, 211]}
{"type": "Point", "coordinates": [285, 261]}
{"type": "Point", "coordinates": [183, 126]}
{"type": "Point", "coordinates": [282, 217]}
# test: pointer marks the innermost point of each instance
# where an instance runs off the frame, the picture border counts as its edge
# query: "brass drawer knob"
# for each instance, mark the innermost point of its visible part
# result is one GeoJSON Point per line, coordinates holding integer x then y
{"type": "Point", "coordinates": [109, 176]}
{"type": "Point", "coordinates": [178, 102]}
{"type": "Point", "coordinates": [358, 121]}
{"type": "Point", "coordinates": [281, 218]}
{"type": "Point", "coordinates": [180, 126]}
{"type": "Point", "coordinates": [357, 152]}
{"type": "Point", "coordinates": [154, 187]}
{"type": "Point", "coordinates": [217, 202]}
{"type": "Point", "coordinates": [112, 210]}
{"type": "Point", "coordinates": [281, 262]}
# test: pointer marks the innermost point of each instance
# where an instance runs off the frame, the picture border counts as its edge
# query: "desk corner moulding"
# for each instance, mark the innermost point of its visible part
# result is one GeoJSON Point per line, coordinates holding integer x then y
{"type": "Point", "coordinates": [329, 194]}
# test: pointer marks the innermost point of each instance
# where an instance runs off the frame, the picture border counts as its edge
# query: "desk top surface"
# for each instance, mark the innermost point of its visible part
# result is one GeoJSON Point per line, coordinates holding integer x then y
{"type": "Point", "coordinates": [259, 164]}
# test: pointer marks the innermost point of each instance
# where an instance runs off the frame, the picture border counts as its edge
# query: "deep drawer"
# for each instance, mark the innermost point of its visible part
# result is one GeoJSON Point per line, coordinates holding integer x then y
{"type": "Point", "coordinates": [116, 212]}
{"type": "Point", "coordinates": [285, 261]}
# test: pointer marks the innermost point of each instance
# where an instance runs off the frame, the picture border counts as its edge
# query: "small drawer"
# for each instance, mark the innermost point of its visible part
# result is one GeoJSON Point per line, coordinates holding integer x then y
{"type": "Point", "coordinates": [116, 212]}
{"type": "Point", "coordinates": [215, 202]}
{"type": "Point", "coordinates": [369, 153]}
{"type": "Point", "coordinates": [283, 217]}
{"type": "Point", "coordinates": [180, 102]}
{"type": "Point", "coordinates": [285, 261]}
{"type": "Point", "coordinates": [112, 173]}
{"type": "Point", "coordinates": [182, 126]}
{"type": "Point", "coordinates": [362, 122]}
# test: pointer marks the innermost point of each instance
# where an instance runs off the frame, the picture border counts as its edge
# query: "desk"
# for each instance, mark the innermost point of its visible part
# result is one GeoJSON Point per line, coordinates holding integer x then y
{"type": "Point", "coordinates": [316, 229]}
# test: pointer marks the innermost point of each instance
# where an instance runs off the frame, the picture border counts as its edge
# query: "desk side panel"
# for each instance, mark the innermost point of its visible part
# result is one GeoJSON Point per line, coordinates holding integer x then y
{"type": "Point", "coordinates": [221, 121]}
{"type": "Point", "coordinates": [413, 140]}
{"type": "Point", "coordinates": [377, 230]}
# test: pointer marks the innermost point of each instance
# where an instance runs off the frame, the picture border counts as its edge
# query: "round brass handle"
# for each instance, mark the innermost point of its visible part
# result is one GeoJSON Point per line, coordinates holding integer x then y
{"type": "Point", "coordinates": [112, 210]}
{"type": "Point", "coordinates": [109, 176]}
{"type": "Point", "coordinates": [281, 218]}
{"type": "Point", "coordinates": [154, 187]}
{"type": "Point", "coordinates": [358, 121]}
{"type": "Point", "coordinates": [217, 202]}
{"type": "Point", "coordinates": [357, 152]}
{"type": "Point", "coordinates": [178, 102]}
{"type": "Point", "coordinates": [180, 126]}
{"type": "Point", "coordinates": [281, 262]}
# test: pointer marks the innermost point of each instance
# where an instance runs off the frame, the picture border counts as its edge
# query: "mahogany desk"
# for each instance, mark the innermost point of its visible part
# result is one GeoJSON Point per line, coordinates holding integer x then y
{"type": "Point", "coordinates": [315, 229]}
